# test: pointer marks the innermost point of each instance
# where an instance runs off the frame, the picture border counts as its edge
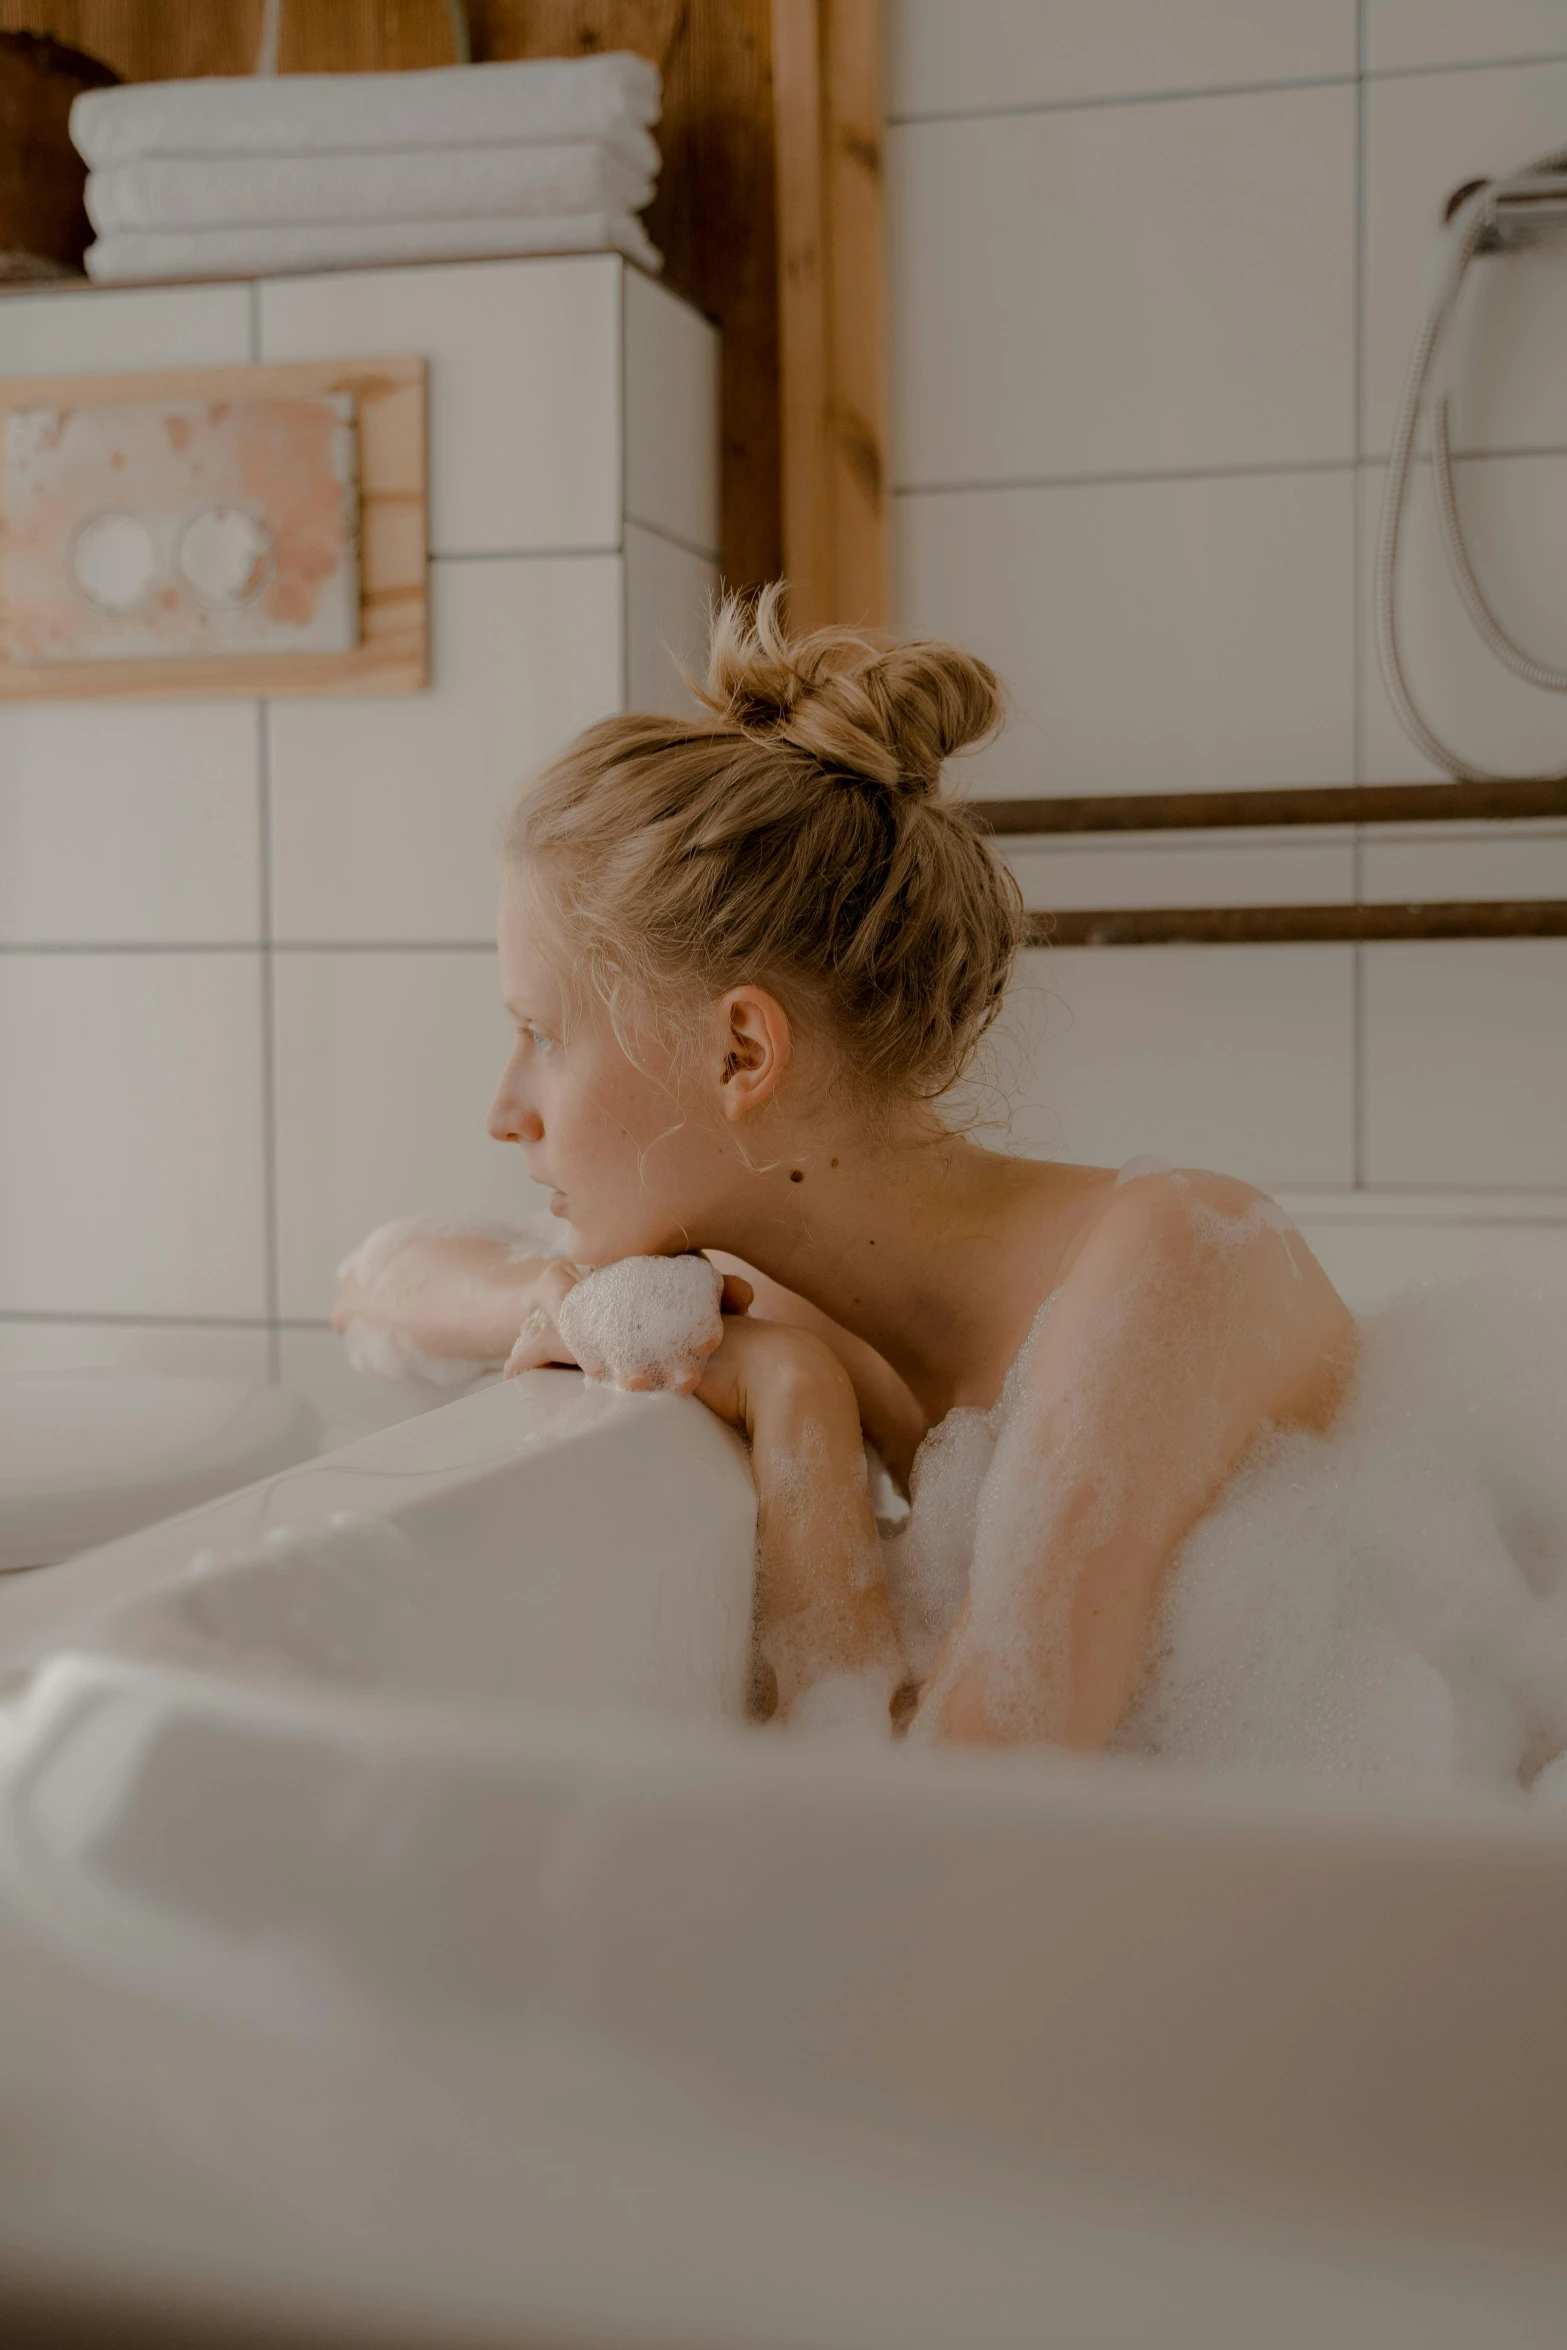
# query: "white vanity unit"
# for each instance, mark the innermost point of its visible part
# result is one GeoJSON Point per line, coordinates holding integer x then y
{"type": "Point", "coordinates": [281, 911]}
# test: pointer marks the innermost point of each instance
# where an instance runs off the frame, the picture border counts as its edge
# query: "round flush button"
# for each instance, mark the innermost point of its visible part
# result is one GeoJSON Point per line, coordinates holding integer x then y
{"type": "Point", "coordinates": [225, 556]}
{"type": "Point", "coordinates": [113, 561]}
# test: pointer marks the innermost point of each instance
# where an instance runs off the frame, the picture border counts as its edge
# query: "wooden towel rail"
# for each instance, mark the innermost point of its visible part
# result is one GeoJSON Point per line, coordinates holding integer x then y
{"type": "Point", "coordinates": [1218, 926]}
{"type": "Point", "coordinates": [1219, 811]}
{"type": "Point", "coordinates": [1336, 804]}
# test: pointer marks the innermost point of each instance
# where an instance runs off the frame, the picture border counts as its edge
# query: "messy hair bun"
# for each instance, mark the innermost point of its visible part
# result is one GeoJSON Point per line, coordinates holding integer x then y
{"type": "Point", "coordinates": [890, 714]}
{"type": "Point", "coordinates": [798, 837]}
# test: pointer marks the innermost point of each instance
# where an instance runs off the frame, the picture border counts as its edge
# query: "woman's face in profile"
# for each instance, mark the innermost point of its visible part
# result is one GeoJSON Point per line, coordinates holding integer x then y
{"type": "Point", "coordinates": [626, 1159]}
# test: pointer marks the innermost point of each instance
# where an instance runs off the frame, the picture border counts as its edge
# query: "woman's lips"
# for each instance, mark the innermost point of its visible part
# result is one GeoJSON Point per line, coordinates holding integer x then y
{"type": "Point", "coordinates": [559, 1204]}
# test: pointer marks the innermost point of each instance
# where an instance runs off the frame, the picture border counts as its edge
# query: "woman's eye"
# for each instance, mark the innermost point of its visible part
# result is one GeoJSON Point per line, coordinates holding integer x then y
{"type": "Point", "coordinates": [540, 1040]}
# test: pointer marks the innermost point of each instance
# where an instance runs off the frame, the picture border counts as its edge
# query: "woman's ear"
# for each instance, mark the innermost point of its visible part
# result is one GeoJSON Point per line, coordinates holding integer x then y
{"type": "Point", "coordinates": [755, 1047]}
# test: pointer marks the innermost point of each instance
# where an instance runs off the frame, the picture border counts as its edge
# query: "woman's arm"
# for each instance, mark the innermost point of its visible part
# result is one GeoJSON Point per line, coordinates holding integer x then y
{"type": "Point", "coordinates": [1192, 1317]}
{"type": "Point", "coordinates": [889, 1414]}
{"type": "Point", "coordinates": [451, 1295]}
{"type": "Point", "coordinates": [821, 1595]}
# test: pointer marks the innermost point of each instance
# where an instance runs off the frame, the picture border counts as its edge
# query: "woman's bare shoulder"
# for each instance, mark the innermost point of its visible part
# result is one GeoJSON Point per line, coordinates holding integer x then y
{"type": "Point", "coordinates": [1198, 1262]}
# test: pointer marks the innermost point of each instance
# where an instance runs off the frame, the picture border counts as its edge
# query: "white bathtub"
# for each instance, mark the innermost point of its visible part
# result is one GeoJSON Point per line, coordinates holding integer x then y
{"type": "Point", "coordinates": [396, 1922]}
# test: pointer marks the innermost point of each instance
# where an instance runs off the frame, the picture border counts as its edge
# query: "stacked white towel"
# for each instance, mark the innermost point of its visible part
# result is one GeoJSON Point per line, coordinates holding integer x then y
{"type": "Point", "coordinates": [248, 178]}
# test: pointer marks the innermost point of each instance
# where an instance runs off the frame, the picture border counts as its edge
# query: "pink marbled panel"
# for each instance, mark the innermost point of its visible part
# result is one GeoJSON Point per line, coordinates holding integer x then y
{"type": "Point", "coordinates": [288, 465]}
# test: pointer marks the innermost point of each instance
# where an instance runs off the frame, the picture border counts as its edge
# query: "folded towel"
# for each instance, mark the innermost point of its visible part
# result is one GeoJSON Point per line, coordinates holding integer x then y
{"type": "Point", "coordinates": [274, 252]}
{"type": "Point", "coordinates": [429, 183]}
{"type": "Point", "coordinates": [540, 101]}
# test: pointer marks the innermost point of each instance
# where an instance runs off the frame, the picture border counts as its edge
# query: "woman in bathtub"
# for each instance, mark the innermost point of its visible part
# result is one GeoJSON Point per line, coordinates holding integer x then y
{"type": "Point", "coordinates": [748, 957]}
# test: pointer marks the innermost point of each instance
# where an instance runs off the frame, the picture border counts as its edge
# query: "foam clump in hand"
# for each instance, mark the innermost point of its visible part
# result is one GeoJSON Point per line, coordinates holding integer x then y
{"type": "Point", "coordinates": [646, 1322]}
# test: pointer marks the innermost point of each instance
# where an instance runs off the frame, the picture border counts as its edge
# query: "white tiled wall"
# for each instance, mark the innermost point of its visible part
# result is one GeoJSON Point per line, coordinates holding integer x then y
{"type": "Point", "coordinates": [1156, 266]}
{"type": "Point", "coordinates": [248, 999]}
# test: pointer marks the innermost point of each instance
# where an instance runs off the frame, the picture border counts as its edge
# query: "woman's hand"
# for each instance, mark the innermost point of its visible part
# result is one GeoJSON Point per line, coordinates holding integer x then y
{"type": "Point", "coordinates": [539, 1342]}
{"type": "Point", "coordinates": [759, 1370]}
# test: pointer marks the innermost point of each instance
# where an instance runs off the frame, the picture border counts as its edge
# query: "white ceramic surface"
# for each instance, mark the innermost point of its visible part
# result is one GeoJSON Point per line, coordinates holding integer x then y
{"type": "Point", "coordinates": [1234, 1057]}
{"type": "Point", "coordinates": [385, 811]}
{"type": "Point", "coordinates": [345, 1968]}
{"type": "Point", "coordinates": [1008, 54]}
{"type": "Point", "coordinates": [1405, 34]}
{"type": "Point", "coordinates": [1154, 635]}
{"type": "Point", "coordinates": [119, 834]}
{"type": "Point", "coordinates": [1466, 1063]}
{"type": "Point", "coordinates": [1261, 868]}
{"type": "Point", "coordinates": [387, 1064]}
{"type": "Point", "coordinates": [65, 331]}
{"type": "Point", "coordinates": [87, 1456]}
{"type": "Point", "coordinates": [671, 409]}
{"type": "Point", "coordinates": [1426, 134]}
{"type": "Point", "coordinates": [669, 595]}
{"type": "Point", "coordinates": [1515, 522]}
{"type": "Point", "coordinates": [1113, 289]}
{"type": "Point", "coordinates": [524, 387]}
{"type": "Point", "coordinates": [132, 1176]}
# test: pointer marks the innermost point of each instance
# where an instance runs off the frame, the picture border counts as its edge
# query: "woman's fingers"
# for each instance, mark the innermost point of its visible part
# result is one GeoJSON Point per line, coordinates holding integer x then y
{"type": "Point", "coordinates": [539, 1342]}
{"type": "Point", "coordinates": [737, 1294]}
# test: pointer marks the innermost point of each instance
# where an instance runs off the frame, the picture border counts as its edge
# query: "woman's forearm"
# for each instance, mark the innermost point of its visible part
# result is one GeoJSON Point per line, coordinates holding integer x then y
{"type": "Point", "coordinates": [821, 1592]}
{"type": "Point", "coordinates": [454, 1298]}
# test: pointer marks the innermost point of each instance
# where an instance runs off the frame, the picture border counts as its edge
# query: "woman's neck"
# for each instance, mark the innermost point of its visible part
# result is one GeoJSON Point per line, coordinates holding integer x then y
{"type": "Point", "coordinates": [934, 1251]}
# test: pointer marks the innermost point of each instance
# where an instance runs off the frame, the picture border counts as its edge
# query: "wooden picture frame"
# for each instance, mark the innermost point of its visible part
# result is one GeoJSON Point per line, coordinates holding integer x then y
{"type": "Point", "coordinates": [392, 655]}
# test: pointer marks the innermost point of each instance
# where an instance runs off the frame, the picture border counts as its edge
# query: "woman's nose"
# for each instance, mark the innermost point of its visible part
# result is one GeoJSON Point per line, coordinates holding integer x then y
{"type": "Point", "coordinates": [512, 1121]}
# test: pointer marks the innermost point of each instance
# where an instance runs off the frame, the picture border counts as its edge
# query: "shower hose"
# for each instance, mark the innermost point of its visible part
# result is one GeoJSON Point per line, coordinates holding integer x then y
{"type": "Point", "coordinates": [1473, 220]}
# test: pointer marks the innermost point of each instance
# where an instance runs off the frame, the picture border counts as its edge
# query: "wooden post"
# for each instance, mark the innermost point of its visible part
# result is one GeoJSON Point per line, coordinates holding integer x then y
{"type": "Point", "coordinates": [827, 100]}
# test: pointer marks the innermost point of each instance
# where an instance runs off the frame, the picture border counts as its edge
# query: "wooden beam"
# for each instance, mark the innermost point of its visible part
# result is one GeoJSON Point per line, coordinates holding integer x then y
{"type": "Point", "coordinates": [1217, 811]}
{"type": "Point", "coordinates": [827, 95]}
{"type": "Point", "coordinates": [1147, 926]}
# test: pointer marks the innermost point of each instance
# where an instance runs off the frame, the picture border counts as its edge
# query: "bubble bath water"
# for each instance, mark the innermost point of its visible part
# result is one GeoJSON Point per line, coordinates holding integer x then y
{"type": "Point", "coordinates": [1388, 1599]}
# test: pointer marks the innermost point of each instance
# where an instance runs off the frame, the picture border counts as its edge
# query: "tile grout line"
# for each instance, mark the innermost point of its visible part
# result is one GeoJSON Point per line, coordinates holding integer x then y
{"type": "Point", "coordinates": [623, 401]}
{"type": "Point", "coordinates": [521, 554]}
{"type": "Point", "coordinates": [69, 1316]}
{"type": "Point", "coordinates": [1356, 609]}
{"type": "Point", "coordinates": [1103, 104]}
{"type": "Point", "coordinates": [1100, 104]}
{"type": "Point", "coordinates": [269, 1165]}
{"type": "Point", "coordinates": [1133, 476]}
{"type": "Point", "coordinates": [671, 538]}
{"type": "Point", "coordinates": [1284, 469]}
{"type": "Point", "coordinates": [241, 946]}
{"type": "Point", "coordinates": [269, 1232]}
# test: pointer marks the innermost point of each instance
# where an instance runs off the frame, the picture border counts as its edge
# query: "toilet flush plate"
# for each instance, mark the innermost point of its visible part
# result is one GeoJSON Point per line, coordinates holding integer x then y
{"type": "Point", "coordinates": [135, 529]}
{"type": "Point", "coordinates": [214, 532]}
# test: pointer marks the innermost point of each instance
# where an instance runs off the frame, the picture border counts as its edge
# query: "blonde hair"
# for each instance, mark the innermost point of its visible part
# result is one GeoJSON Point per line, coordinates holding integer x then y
{"type": "Point", "coordinates": [799, 839]}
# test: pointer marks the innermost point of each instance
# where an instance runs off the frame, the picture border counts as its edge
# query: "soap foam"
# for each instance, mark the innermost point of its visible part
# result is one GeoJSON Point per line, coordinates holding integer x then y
{"type": "Point", "coordinates": [1385, 1600]}
{"type": "Point", "coordinates": [1389, 1599]}
{"type": "Point", "coordinates": [644, 1321]}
